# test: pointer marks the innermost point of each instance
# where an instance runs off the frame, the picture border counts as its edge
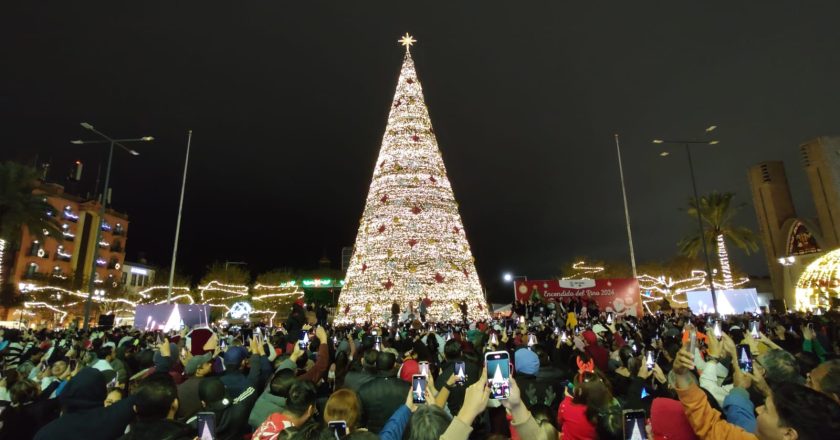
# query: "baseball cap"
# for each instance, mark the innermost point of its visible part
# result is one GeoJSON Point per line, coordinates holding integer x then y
{"type": "Point", "coordinates": [197, 361]}
{"type": "Point", "coordinates": [235, 355]}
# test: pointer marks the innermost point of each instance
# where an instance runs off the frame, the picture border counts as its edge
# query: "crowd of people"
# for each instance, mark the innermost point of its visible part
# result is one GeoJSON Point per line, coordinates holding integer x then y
{"type": "Point", "coordinates": [573, 374]}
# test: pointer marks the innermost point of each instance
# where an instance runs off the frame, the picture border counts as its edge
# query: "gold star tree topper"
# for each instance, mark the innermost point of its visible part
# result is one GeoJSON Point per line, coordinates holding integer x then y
{"type": "Point", "coordinates": [407, 40]}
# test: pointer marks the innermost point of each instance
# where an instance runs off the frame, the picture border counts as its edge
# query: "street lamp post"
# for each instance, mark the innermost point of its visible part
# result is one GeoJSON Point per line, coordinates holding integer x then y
{"type": "Point", "coordinates": [178, 223]}
{"type": "Point", "coordinates": [113, 142]}
{"type": "Point", "coordinates": [688, 144]}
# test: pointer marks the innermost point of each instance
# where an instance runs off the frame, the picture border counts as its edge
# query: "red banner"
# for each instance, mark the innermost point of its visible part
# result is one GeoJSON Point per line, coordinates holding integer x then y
{"type": "Point", "coordinates": [618, 295]}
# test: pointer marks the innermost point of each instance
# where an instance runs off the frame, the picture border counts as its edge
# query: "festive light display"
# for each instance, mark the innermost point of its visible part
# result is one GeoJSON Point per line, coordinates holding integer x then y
{"type": "Point", "coordinates": [2, 253]}
{"type": "Point", "coordinates": [583, 270]}
{"type": "Point", "coordinates": [819, 282]}
{"type": "Point", "coordinates": [723, 259]}
{"type": "Point", "coordinates": [411, 242]}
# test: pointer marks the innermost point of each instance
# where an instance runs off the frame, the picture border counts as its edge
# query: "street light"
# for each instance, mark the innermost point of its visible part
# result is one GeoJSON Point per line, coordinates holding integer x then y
{"type": "Point", "coordinates": [118, 142]}
{"type": "Point", "coordinates": [688, 144]}
{"type": "Point", "coordinates": [509, 277]}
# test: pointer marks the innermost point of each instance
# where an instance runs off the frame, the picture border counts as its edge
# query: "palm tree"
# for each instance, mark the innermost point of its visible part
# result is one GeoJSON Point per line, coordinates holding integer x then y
{"type": "Point", "coordinates": [20, 208]}
{"type": "Point", "coordinates": [716, 211]}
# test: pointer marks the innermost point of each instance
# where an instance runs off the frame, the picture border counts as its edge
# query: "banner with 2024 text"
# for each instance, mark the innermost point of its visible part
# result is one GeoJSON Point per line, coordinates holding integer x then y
{"type": "Point", "coordinates": [617, 295]}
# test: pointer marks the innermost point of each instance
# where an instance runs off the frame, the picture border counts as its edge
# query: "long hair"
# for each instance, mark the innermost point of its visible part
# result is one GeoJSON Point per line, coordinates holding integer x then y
{"type": "Point", "coordinates": [594, 390]}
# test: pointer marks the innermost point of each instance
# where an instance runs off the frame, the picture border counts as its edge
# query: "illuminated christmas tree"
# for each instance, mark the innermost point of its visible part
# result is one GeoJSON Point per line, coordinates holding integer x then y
{"type": "Point", "coordinates": [411, 242]}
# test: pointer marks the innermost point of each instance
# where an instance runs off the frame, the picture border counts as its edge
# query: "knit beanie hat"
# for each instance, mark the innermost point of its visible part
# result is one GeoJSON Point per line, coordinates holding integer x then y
{"type": "Point", "coordinates": [526, 361]}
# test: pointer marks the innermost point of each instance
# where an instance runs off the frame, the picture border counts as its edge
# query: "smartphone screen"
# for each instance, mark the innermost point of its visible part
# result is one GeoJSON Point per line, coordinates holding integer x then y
{"type": "Point", "coordinates": [754, 330]}
{"type": "Point", "coordinates": [418, 388]}
{"type": "Point", "coordinates": [460, 373]}
{"type": "Point", "coordinates": [692, 339]}
{"type": "Point", "coordinates": [377, 344]}
{"type": "Point", "coordinates": [424, 368]}
{"type": "Point", "coordinates": [717, 331]}
{"type": "Point", "coordinates": [744, 358]}
{"type": "Point", "coordinates": [609, 318]}
{"type": "Point", "coordinates": [650, 360]}
{"type": "Point", "coordinates": [206, 425]}
{"type": "Point", "coordinates": [634, 425]}
{"type": "Point", "coordinates": [338, 427]}
{"type": "Point", "coordinates": [498, 373]}
{"type": "Point", "coordinates": [532, 339]}
{"type": "Point", "coordinates": [303, 342]}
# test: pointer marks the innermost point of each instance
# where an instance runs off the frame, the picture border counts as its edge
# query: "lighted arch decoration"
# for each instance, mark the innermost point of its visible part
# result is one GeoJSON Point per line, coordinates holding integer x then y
{"type": "Point", "coordinates": [819, 282]}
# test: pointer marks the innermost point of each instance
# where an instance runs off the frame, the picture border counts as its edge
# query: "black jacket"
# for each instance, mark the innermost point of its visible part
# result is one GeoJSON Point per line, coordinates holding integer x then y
{"type": "Point", "coordinates": [160, 430]}
{"type": "Point", "coordinates": [456, 393]}
{"type": "Point", "coordinates": [22, 422]}
{"type": "Point", "coordinates": [84, 414]}
{"type": "Point", "coordinates": [231, 418]}
{"type": "Point", "coordinates": [535, 391]}
{"type": "Point", "coordinates": [380, 399]}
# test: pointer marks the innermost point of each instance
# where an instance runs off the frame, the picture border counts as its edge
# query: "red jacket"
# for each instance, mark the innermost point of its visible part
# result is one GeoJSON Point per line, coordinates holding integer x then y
{"type": "Point", "coordinates": [572, 420]}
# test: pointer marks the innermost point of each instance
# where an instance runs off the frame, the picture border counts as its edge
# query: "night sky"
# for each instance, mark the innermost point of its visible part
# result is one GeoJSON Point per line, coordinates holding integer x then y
{"type": "Point", "coordinates": [288, 103]}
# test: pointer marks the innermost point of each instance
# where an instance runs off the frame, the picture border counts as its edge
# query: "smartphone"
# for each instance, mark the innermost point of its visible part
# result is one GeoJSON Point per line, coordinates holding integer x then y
{"type": "Point", "coordinates": [754, 330]}
{"type": "Point", "coordinates": [577, 331]}
{"type": "Point", "coordinates": [338, 427]}
{"type": "Point", "coordinates": [373, 332]}
{"type": "Point", "coordinates": [650, 360]}
{"type": "Point", "coordinates": [745, 361]}
{"type": "Point", "coordinates": [206, 425]}
{"type": "Point", "coordinates": [303, 342]}
{"type": "Point", "coordinates": [418, 388]}
{"type": "Point", "coordinates": [497, 364]}
{"type": "Point", "coordinates": [609, 318]}
{"type": "Point", "coordinates": [377, 343]}
{"type": "Point", "coordinates": [717, 331]}
{"type": "Point", "coordinates": [44, 366]}
{"type": "Point", "coordinates": [72, 365]}
{"type": "Point", "coordinates": [564, 337]}
{"type": "Point", "coordinates": [556, 330]}
{"type": "Point", "coordinates": [692, 338]}
{"type": "Point", "coordinates": [634, 424]}
{"type": "Point", "coordinates": [460, 373]}
{"type": "Point", "coordinates": [222, 344]}
{"type": "Point", "coordinates": [424, 368]}
{"type": "Point", "coordinates": [532, 339]}
{"type": "Point", "coordinates": [494, 340]}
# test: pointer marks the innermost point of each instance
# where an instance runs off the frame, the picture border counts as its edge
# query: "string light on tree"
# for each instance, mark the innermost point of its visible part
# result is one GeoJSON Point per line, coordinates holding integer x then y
{"type": "Point", "coordinates": [411, 242]}
{"type": "Point", "coordinates": [723, 258]}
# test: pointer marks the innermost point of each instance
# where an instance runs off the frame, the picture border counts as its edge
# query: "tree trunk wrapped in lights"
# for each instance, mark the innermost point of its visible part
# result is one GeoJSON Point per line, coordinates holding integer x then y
{"type": "Point", "coordinates": [723, 258]}
{"type": "Point", "coordinates": [411, 243]}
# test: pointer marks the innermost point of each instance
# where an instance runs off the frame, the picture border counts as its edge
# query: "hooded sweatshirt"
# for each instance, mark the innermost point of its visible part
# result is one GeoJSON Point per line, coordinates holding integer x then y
{"type": "Point", "coordinates": [84, 415]}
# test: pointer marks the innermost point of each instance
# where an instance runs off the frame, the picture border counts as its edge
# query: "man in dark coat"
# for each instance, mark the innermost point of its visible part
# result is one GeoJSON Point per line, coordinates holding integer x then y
{"type": "Point", "coordinates": [384, 394]}
{"type": "Point", "coordinates": [84, 414]}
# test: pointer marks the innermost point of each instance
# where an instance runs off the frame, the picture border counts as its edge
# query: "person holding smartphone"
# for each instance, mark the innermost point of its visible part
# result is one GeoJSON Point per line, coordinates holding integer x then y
{"type": "Point", "coordinates": [454, 357]}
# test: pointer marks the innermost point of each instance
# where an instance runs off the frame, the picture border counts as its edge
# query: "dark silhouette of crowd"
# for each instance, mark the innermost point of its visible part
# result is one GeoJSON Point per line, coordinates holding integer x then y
{"type": "Point", "coordinates": [575, 373]}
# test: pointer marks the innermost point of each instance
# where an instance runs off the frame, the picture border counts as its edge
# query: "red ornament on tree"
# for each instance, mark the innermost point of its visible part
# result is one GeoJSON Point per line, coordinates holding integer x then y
{"type": "Point", "coordinates": [456, 229]}
{"type": "Point", "coordinates": [384, 199]}
{"type": "Point", "coordinates": [412, 242]}
{"type": "Point", "coordinates": [466, 273]}
{"type": "Point", "coordinates": [416, 210]}
{"type": "Point", "coordinates": [432, 179]}
{"type": "Point", "coordinates": [415, 138]}
{"type": "Point", "coordinates": [397, 103]}
{"type": "Point", "coordinates": [347, 309]}
{"type": "Point", "coordinates": [439, 278]}
{"type": "Point", "coordinates": [410, 80]}
{"type": "Point", "coordinates": [388, 284]}
{"type": "Point", "coordinates": [364, 267]}
{"type": "Point", "coordinates": [381, 229]}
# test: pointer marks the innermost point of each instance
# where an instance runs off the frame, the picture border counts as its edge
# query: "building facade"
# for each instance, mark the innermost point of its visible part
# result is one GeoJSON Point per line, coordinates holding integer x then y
{"type": "Point", "coordinates": [791, 242]}
{"type": "Point", "coordinates": [68, 261]}
{"type": "Point", "coordinates": [137, 276]}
